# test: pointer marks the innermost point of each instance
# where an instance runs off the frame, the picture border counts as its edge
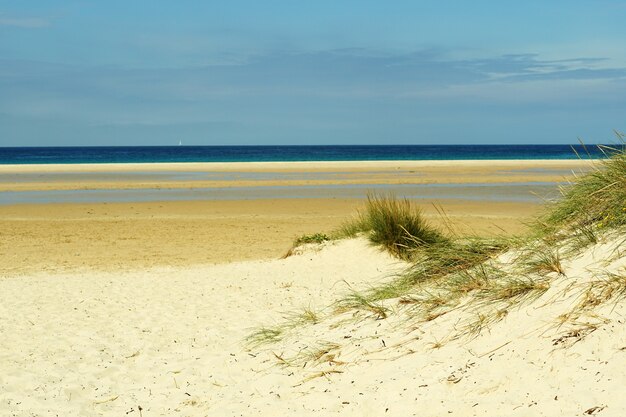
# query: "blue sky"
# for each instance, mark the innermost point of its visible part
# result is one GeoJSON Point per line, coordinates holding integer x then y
{"type": "Point", "coordinates": [311, 72]}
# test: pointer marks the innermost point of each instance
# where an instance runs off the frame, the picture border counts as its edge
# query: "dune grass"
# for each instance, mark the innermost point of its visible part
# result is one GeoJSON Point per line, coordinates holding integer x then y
{"type": "Point", "coordinates": [440, 276]}
{"type": "Point", "coordinates": [394, 224]}
{"type": "Point", "coordinates": [608, 287]}
{"type": "Point", "coordinates": [448, 259]}
{"type": "Point", "coordinates": [316, 238]}
{"type": "Point", "coordinates": [313, 238]}
{"type": "Point", "coordinates": [265, 335]}
{"type": "Point", "coordinates": [268, 335]}
{"type": "Point", "coordinates": [542, 260]}
{"type": "Point", "coordinates": [445, 270]}
{"type": "Point", "coordinates": [593, 202]}
{"type": "Point", "coordinates": [512, 290]}
{"type": "Point", "coordinates": [360, 301]}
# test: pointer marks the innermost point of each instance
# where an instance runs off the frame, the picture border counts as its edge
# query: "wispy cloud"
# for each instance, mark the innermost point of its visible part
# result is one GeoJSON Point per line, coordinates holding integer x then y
{"type": "Point", "coordinates": [341, 92]}
{"type": "Point", "coordinates": [351, 73]}
{"type": "Point", "coordinates": [24, 22]}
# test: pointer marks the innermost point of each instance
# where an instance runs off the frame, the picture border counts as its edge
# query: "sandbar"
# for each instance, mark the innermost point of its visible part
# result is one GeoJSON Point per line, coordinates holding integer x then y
{"type": "Point", "coordinates": [250, 174]}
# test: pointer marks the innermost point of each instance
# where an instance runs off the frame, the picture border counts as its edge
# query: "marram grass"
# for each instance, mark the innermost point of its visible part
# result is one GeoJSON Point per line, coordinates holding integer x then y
{"type": "Point", "coordinates": [394, 224]}
{"type": "Point", "coordinates": [446, 270]}
{"type": "Point", "coordinates": [595, 201]}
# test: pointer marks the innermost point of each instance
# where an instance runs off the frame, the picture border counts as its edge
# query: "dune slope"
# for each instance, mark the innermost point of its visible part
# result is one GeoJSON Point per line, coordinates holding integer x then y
{"type": "Point", "coordinates": [173, 342]}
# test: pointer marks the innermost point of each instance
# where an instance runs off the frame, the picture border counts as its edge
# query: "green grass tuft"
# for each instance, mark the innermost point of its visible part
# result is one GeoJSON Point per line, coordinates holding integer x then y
{"type": "Point", "coordinates": [350, 229]}
{"type": "Point", "coordinates": [395, 224]}
{"type": "Point", "coordinates": [512, 290]}
{"type": "Point", "coordinates": [265, 335]}
{"type": "Point", "coordinates": [451, 257]}
{"type": "Point", "coordinates": [362, 302]}
{"type": "Point", "coordinates": [307, 316]}
{"type": "Point", "coordinates": [314, 238]}
{"type": "Point", "coordinates": [542, 260]}
{"type": "Point", "coordinates": [595, 201]}
{"type": "Point", "coordinates": [317, 238]}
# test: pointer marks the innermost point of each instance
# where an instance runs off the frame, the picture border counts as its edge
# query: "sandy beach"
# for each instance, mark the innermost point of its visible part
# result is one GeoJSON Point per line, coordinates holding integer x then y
{"type": "Point", "coordinates": [312, 209]}
{"type": "Point", "coordinates": [246, 224]}
{"type": "Point", "coordinates": [146, 308]}
{"type": "Point", "coordinates": [127, 236]}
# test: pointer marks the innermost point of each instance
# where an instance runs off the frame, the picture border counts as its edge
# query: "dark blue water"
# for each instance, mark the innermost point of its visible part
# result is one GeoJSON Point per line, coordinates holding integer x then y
{"type": "Point", "coordinates": [143, 154]}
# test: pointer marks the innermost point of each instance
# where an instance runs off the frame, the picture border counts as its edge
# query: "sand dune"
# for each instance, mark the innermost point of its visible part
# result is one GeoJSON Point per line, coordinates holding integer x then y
{"type": "Point", "coordinates": [530, 362]}
{"type": "Point", "coordinates": [171, 341]}
{"type": "Point", "coordinates": [168, 340]}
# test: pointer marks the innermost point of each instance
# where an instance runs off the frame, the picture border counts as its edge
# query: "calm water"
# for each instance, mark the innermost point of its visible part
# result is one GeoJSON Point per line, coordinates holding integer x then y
{"type": "Point", "coordinates": [513, 192]}
{"type": "Point", "coordinates": [532, 191]}
{"type": "Point", "coordinates": [143, 154]}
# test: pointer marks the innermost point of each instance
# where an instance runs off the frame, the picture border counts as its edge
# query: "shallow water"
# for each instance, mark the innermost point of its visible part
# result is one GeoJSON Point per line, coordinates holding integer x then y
{"type": "Point", "coordinates": [24, 177]}
{"type": "Point", "coordinates": [514, 192]}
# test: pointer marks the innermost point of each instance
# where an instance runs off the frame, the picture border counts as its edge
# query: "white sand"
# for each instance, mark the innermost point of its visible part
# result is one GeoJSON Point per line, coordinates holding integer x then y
{"type": "Point", "coordinates": [170, 341]}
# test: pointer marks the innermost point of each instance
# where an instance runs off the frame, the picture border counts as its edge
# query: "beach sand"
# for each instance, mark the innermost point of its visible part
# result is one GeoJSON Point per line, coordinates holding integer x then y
{"type": "Point", "coordinates": [126, 236]}
{"type": "Point", "coordinates": [171, 342]}
{"type": "Point", "coordinates": [130, 235]}
{"type": "Point", "coordinates": [143, 309]}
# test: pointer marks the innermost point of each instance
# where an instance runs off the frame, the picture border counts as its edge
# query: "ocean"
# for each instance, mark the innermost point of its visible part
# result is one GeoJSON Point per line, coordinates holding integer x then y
{"type": "Point", "coordinates": [146, 154]}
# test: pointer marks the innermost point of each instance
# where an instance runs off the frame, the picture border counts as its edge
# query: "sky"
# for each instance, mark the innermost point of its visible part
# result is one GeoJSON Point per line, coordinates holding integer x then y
{"type": "Point", "coordinates": [311, 72]}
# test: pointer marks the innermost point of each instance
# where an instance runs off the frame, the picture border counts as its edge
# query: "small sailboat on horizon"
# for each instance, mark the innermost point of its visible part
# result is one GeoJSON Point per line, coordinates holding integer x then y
{"type": "Point", "coordinates": [180, 142]}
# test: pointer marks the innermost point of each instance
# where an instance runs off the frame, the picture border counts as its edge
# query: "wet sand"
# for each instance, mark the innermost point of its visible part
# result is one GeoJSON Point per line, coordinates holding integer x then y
{"type": "Point", "coordinates": [127, 235]}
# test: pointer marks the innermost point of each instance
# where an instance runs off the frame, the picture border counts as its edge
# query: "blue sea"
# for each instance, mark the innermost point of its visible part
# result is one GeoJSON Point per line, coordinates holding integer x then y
{"type": "Point", "coordinates": [145, 154]}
